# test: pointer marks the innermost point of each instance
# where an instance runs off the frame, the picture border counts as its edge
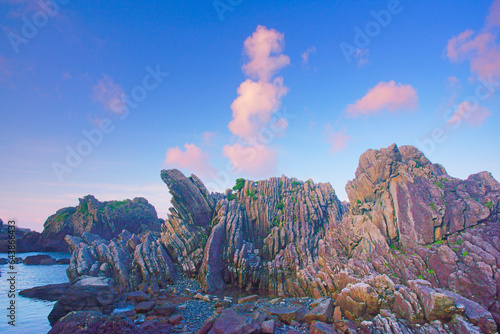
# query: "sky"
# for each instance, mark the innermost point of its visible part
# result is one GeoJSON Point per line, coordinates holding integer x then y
{"type": "Point", "coordinates": [98, 97]}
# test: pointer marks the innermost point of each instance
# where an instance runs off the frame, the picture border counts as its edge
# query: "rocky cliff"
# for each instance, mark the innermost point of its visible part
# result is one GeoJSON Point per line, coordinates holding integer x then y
{"type": "Point", "coordinates": [106, 219]}
{"type": "Point", "coordinates": [413, 241]}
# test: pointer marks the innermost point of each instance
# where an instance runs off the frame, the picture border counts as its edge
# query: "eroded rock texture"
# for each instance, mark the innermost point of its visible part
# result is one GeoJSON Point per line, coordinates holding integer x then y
{"type": "Point", "coordinates": [414, 245]}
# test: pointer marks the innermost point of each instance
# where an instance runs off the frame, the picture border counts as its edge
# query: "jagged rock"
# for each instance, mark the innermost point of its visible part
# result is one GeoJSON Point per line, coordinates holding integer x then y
{"type": "Point", "coordinates": [231, 322]}
{"type": "Point", "coordinates": [93, 322]}
{"type": "Point", "coordinates": [268, 326]}
{"type": "Point", "coordinates": [319, 327]}
{"type": "Point", "coordinates": [186, 230]}
{"type": "Point", "coordinates": [358, 300]}
{"type": "Point", "coordinates": [144, 307]}
{"type": "Point", "coordinates": [50, 292]}
{"type": "Point", "coordinates": [321, 312]}
{"type": "Point", "coordinates": [85, 294]}
{"type": "Point", "coordinates": [287, 314]}
{"type": "Point", "coordinates": [148, 263]}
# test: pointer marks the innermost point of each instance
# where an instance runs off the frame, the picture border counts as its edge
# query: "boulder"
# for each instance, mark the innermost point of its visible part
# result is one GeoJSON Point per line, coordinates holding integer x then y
{"type": "Point", "coordinates": [34, 260]}
{"type": "Point", "coordinates": [85, 294]}
{"type": "Point", "coordinates": [287, 314]}
{"type": "Point", "coordinates": [322, 312]}
{"type": "Point", "coordinates": [51, 292]}
{"type": "Point", "coordinates": [231, 322]}
{"type": "Point", "coordinates": [93, 322]}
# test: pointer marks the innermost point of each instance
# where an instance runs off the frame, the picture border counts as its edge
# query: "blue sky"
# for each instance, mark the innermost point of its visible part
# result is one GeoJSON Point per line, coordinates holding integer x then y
{"type": "Point", "coordinates": [275, 71]}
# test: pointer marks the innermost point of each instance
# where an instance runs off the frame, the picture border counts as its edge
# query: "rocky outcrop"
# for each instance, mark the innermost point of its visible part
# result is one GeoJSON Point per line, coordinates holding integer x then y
{"type": "Point", "coordinates": [128, 260]}
{"type": "Point", "coordinates": [106, 219]}
{"type": "Point", "coordinates": [186, 230]}
{"type": "Point", "coordinates": [51, 292]}
{"type": "Point", "coordinates": [44, 260]}
{"type": "Point", "coordinates": [413, 246]}
{"type": "Point", "coordinates": [86, 294]}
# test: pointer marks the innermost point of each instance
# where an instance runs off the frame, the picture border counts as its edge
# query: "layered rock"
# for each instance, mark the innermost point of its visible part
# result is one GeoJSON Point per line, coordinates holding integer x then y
{"type": "Point", "coordinates": [186, 230]}
{"type": "Point", "coordinates": [128, 260]}
{"type": "Point", "coordinates": [106, 219]}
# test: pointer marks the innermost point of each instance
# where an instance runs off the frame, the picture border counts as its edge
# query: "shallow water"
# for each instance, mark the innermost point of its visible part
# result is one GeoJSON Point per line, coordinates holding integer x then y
{"type": "Point", "coordinates": [31, 314]}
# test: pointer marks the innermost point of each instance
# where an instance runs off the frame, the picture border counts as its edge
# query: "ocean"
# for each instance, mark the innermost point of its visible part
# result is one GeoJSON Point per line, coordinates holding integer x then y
{"type": "Point", "coordinates": [31, 314]}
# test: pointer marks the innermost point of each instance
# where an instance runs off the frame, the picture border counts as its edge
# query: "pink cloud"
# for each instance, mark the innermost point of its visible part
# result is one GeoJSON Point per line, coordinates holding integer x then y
{"type": "Point", "coordinates": [109, 94]}
{"type": "Point", "coordinates": [385, 95]}
{"type": "Point", "coordinates": [493, 19]}
{"type": "Point", "coordinates": [362, 56]}
{"type": "Point", "coordinates": [480, 49]}
{"type": "Point", "coordinates": [474, 115]}
{"type": "Point", "coordinates": [337, 140]}
{"type": "Point", "coordinates": [264, 49]}
{"type": "Point", "coordinates": [256, 103]}
{"type": "Point", "coordinates": [307, 53]}
{"type": "Point", "coordinates": [259, 160]}
{"type": "Point", "coordinates": [193, 159]}
{"type": "Point", "coordinates": [207, 137]}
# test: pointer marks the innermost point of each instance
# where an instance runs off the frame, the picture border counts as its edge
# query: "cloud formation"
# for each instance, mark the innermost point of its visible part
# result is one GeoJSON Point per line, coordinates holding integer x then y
{"type": "Point", "coordinates": [264, 49]}
{"type": "Point", "coordinates": [254, 106]}
{"type": "Point", "coordinates": [193, 159]}
{"type": "Point", "coordinates": [257, 160]}
{"type": "Point", "coordinates": [389, 96]}
{"type": "Point", "coordinates": [109, 94]}
{"type": "Point", "coordinates": [337, 140]}
{"type": "Point", "coordinates": [259, 97]}
{"type": "Point", "coordinates": [307, 53]}
{"type": "Point", "coordinates": [474, 115]}
{"type": "Point", "coordinates": [480, 49]}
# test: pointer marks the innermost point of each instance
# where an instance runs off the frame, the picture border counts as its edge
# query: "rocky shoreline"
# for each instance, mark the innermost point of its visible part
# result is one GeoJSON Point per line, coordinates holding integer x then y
{"type": "Point", "coordinates": [414, 251]}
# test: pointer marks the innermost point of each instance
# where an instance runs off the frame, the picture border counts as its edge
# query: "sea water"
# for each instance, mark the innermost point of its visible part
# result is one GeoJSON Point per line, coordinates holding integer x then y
{"type": "Point", "coordinates": [31, 314]}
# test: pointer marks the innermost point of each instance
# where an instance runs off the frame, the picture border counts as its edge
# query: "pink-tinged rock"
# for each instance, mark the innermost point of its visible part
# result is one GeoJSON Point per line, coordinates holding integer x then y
{"type": "Point", "coordinates": [207, 325]}
{"type": "Point", "coordinates": [287, 314]}
{"type": "Point", "coordinates": [231, 322]}
{"type": "Point", "coordinates": [164, 311]}
{"type": "Point", "coordinates": [137, 296]}
{"type": "Point", "coordinates": [319, 327]}
{"type": "Point", "coordinates": [175, 319]}
{"type": "Point", "coordinates": [436, 305]}
{"type": "Point", "coordinates": [268, 326]}
{"type": "Point", "coordinates": [144, 307]}
{"type": "Point", "coordinates": [322, 312]}
{"type": "Point", "coordinates": [248, 299]}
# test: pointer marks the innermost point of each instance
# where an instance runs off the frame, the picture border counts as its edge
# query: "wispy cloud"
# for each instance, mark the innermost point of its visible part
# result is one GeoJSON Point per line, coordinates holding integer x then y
{"type": "Point", "coordinates": [481, 49]}
{"type": "Point", "coordinates": [193, 159]}
{"type": "Point", "coordinates": [207, 138]}
{"type": "Point", "coordinates": [338, 140]}
{"type": "Point", "coordinates": [257, 160]}
{"type": "Point", "coordinates": [361, 56]}
{"type": "Point", "coordinates": [109, 94]}
{"type": "Point", "coordinates": [474, 115]}
{"type": "Point", "coordinates": [389, 96]}
{"type": "Point", "coordinates": [307, 53]}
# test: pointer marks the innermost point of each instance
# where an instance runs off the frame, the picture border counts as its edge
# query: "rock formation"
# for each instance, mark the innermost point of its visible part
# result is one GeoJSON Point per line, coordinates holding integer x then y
{"type": "Point", "coordinates": [413, 246]}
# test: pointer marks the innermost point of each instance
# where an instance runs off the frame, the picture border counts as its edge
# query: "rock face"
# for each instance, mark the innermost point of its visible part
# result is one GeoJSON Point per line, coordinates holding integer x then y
{"type": "Point", "coordinates": [414, 245]}
{"type": "Point", "coordinates": [128, 260]}
{"type": "Point", "coordinates": [106, 219]}
{"type": "Point", "coordinates": [44, 260]}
